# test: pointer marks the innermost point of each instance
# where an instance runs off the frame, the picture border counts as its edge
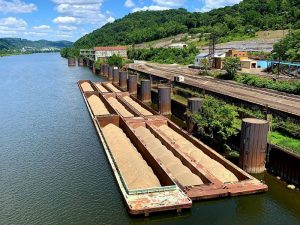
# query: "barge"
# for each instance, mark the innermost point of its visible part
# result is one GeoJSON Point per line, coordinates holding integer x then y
{"type": "Point", "coordinates": [179, 160]}
{"type": "Point", "coordinates": [150, 190]}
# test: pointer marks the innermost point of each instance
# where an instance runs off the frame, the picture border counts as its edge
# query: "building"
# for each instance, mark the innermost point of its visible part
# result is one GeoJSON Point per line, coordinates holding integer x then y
{"type": "Point", "coordinates": [88, 53]}
{"type": "Point", "coordinates": [217, 60]}
{"type": "Point", "coordinates": [109, 51]}
{"type": "Point", "coordinates": [248, 64]}
{"type": "Point", "coordinates": [199, 58]}
{"type": "Point", "coordinates": [178, 45]}
{"type": "Point", "coordinates": [237, 54]}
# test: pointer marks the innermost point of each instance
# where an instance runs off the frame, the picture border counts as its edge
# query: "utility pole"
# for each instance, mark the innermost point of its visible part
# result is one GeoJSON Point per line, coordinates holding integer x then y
{"type": "Point", "coordinates": [212, 48]}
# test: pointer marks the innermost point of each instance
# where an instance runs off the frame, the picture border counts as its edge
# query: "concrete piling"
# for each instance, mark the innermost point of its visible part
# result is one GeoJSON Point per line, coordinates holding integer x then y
{"type": "Point", "coordinates": [80, 62]}
{"type": "Point", "coordinates": [253, 145]}
{"type": "Point", "coordinates": [110, 72]}
{"type": "Point", "coordinates": [123, 79]}
{"type": "Point", "coordinates": [194, 106]}
{"type": "Point", "coordinates": [145, 91]}
{"type": "Point", "coordinates": [132, 84]}
{"type": "Point", "coordinates": [94, 68]}
{"type": "Point", "coordinates": [164, 100]}
{"type": "Point", "coordinates": [116, 76]}
{"type": "Point", "coordinates": [71, 61]}
{"type": "Point", "coordinates": [105, 72]}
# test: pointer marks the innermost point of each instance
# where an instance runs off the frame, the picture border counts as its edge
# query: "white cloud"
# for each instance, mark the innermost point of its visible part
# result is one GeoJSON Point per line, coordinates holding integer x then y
{"type": "Point", "coordinates": [110, 19]}
{"type": "Point", "coordinates": [65, 20]}
{"type": "Point", "coordinates": [73, 14]}
{"type": "Point", "coordinates": [169, 3]}
{"type": "Point", "coordinates": [213, 4]}
{"type": "Point", "coordinates": [13, 22]}
{"type": "Point", "coordinates": [67, 28]}
{"type": "Point", "coordinates": [35, 34]}
{"type": "Point", "coordinates": [42, 27]}
{"type": "Point", "coordinates": [129, 4]}
{"type": "Point", "coordinates": [16, 6]}
{"type": "Point", "coordinates": [12, 26]}
{"type": "Point", "coordinates": [150, 8]}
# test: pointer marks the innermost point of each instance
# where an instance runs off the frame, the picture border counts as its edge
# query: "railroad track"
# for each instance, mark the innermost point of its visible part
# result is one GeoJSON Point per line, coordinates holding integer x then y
{"type": "Point", "coordinates": [286, 103]}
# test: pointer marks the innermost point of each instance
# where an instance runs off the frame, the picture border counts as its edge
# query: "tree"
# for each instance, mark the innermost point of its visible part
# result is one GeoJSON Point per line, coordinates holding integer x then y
{"type": "Point", "coordinates": [217, 122]}
{"type": "Point", "coordinates": [205, 64]}
{"type": "Point", "coordinates": [231, 65]}
{"type": "Point", "coordinates": [115, 60]}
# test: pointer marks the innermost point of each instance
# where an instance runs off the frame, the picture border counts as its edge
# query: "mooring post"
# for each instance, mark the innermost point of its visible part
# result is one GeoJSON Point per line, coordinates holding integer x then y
{"type": "Point", "coordinates": [80, 62]}
{"type": "Point", "coordinates": [132, 84]}
{"type": "Point", "coordinates": [71, 61]}
{"type": "Point", "coordinates": [194, 107]}
{"type": "Point", "coordinates": [254, 144]}
{"type": "Point", "coordinates": [110, 73]}
{"type": "Point", "coordinates": [145, 91]}
{"type": "Point", "coordinates": [123, 80]}
{"type": "Point", "coordinates": [94, 68]}
{"type": "Point", "coordinates": [106, 68]}
{"type": "Point", "coordinates": [164, 100]}
{"type": "Point", "coordinates": [116, 76]}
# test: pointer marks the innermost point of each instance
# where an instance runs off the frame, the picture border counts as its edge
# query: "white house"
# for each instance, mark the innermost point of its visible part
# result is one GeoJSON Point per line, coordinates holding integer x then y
{"type": "Point", "coordinates": [199, 58]}
{"type": "Point", "coordinates": [178, 45]}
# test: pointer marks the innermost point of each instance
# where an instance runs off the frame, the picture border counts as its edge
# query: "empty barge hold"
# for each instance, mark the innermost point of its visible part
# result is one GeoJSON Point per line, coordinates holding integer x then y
{"type": "Point", "coordinates": [156, 193]}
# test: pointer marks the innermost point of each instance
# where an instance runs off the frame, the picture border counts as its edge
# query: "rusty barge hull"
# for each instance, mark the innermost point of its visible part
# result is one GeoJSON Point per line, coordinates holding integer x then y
{"type": "Point", "coordinates": [138, 202]}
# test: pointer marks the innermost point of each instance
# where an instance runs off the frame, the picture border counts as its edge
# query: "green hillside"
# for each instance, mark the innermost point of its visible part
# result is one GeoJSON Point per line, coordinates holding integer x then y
{"type": "Point", "coordinates": [18, 43]}
{"type": "Point", "coordinates": [244, 18]}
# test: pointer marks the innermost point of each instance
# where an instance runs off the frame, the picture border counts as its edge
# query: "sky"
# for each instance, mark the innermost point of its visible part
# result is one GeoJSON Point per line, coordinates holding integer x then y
{"type": "Point", "coordinates": [71, 19]}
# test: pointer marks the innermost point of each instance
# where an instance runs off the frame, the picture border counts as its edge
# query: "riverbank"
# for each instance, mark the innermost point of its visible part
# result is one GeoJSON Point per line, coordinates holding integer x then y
{"type": "Point", "coordinates": [3, 54]}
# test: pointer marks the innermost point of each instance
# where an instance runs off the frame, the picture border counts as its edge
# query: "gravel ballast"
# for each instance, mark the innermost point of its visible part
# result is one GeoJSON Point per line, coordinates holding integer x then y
{"type": "Point", "coordinates": [101, 88]}
{"type": "Point", "coordinates": [119, 107]}
{"type": "Point", "coordinates": [113, 88]}
{"type": "Point", "coordinates": [137, 106]}
{"type": "Point", "coordinates": [86, 86]}
{"type": "Point", "coordinates": [134, 169]}
{"type": "Point", "coordinates": [185, 146]}
{"type": "Point", "coordinates": [97, 106]}
{"type": "Point", "coordinates": [180, 172]}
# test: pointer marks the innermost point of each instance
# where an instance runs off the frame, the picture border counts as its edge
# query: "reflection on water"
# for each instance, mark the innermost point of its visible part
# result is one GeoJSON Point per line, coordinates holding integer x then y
{"type": "Point", "coordinates": [53, 169]}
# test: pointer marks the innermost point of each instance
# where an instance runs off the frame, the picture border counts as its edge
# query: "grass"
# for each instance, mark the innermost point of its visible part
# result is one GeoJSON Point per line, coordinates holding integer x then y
{"type": "Point", "coordinates": [180, 99]}
{"type": "Point", "coordinates": [285, 142]}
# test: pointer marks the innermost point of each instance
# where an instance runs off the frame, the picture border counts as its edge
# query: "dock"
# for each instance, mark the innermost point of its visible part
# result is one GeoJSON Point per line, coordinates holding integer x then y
{"type": "Point", "coordinates": [186, 168]}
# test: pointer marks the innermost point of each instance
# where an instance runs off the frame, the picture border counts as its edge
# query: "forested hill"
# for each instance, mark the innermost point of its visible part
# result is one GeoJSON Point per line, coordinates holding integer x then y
{"type": "Point", "coordinates": [18, 44]}
{"type": "Point", "coordinates": [244, 18]}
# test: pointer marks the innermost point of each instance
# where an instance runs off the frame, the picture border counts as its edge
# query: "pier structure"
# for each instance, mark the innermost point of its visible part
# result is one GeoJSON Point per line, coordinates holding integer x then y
{"type": "Point", "coordinates": [145, 94]}
{"type": "Point", "coordinates": [132, 84]}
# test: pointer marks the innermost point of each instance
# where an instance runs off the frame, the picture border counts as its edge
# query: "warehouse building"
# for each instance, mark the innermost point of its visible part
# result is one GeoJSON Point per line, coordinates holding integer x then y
{"type": "Point", "coordinates": [109, 51]}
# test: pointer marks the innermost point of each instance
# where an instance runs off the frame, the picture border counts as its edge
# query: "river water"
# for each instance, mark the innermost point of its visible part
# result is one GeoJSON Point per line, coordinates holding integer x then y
{"type": "Point", "coordinates": [53, 169]}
